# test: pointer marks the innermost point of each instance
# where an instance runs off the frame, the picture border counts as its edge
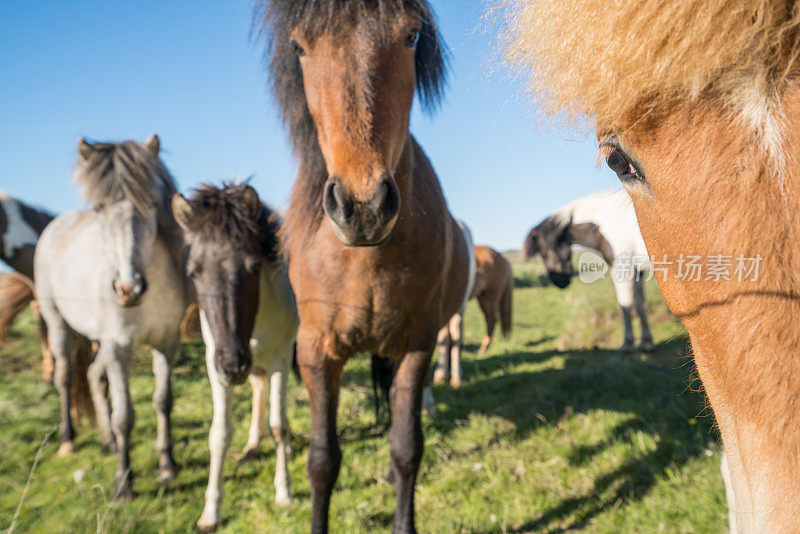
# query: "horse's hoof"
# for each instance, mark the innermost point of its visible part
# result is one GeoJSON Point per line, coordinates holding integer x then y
{"type": "Point", "coordinates": [110, 447]}
{"type": "Point", "coordinates": [283, 499]}
{"type": "Point", "coordinates": [251, 454]}
{"type": "Point", "coordinates": [626, 348]}
{"type": "Point", "coordinates": [124, 492]}
{"type": "Point", "coordinates": [455, 383]}
{"type": "Point", "coordinates": [65, 449]}
{"type": "Point", "coordinates": [208, 522]}
{"type": "Point", "coordinates": [438, 377]}
{"type": "Point", "coordinates": [167, 475]}
{"type": "Point", "coordinates": [206, 527]}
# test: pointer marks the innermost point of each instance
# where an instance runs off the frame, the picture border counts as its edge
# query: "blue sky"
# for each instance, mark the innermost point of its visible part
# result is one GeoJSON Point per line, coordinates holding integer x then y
{"type": "Point", "coordinates": [187, 70]}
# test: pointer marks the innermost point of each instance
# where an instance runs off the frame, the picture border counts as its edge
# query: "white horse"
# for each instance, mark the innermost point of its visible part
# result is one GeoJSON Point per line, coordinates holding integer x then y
{"type": "Point", "coordinates": [249, 322]}
{"type": "Point", "coordinates": [114, 274]}
{"type": "Point", "coordinates": [606, 223]}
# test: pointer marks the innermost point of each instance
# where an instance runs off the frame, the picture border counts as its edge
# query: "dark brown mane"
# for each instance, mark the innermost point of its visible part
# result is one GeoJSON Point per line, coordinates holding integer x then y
{"type": "Point", "coordinates": [221, 213]}
{"type": "Point", "coordinates": [275, 19]}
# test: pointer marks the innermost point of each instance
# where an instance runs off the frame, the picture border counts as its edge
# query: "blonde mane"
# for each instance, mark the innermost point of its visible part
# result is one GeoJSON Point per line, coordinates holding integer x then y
{"type": "Point", "coordinates": [627, 60]}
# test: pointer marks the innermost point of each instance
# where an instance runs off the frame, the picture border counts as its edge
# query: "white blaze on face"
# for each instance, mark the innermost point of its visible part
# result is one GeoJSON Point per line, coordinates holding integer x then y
{"type": "Point", "coordinates": [19, 233]}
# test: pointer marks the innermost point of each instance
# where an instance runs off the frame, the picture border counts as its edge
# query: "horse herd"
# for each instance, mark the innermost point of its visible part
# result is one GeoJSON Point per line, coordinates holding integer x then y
{"type": "Point", "coordinates": [693, 104]}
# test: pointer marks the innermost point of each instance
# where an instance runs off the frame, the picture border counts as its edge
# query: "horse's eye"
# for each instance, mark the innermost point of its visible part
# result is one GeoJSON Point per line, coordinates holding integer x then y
{"type": "Point", "coordinates": [620, 164]}
{"type": "Point", "coordinates": [412, 38]}
{"type": "Point", "coordinates": [193, 273]}
{"type": "Point", "coordinates": [298, 50]}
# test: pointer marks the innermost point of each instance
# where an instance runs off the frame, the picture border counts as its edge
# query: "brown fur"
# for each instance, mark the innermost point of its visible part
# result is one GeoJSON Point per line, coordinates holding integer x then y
{"type": "Point", "coordinates": [16, 293]}
{"type": "Point", "coordinates": [711, 187]}
{"type": "Point", "coordinates": [494, 287]}
{"type": "Point", "coordinates": [354, 87]}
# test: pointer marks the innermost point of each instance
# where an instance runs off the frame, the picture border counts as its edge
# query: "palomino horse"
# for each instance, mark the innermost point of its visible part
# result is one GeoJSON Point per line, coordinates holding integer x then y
{"type": "Point", "coordinates": [376, 261]}
{"type": "Point", "coordinates": [494, 289]}
{"type": "Point", "coordinates": [697, 111]}
{"type": "Point", "coordinates": [115, 274]}
{"type": "Point", "coordinates": [248, 319]}
{"type": "Point", "coordinates": [604, 222]}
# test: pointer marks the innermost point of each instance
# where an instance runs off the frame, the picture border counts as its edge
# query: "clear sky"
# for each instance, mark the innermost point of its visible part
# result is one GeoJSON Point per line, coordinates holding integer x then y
{"type": "Point", "coordinates": [188, 70]}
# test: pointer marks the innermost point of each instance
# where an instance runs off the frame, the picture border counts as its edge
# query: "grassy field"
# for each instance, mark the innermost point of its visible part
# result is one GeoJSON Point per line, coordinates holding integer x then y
{"type": "Point", "coordinates": [552, 431]}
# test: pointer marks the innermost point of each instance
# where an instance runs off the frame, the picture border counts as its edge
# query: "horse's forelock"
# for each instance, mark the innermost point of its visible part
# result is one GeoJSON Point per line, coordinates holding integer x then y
{"type": "Point", "coordinates": [620, 62]}
{"type": "Point", "coordinates": [274, 20]}
{"type": "Point", "coordinates": [222, 214]}
{"type": "Point", "coordinates": [128, 170]}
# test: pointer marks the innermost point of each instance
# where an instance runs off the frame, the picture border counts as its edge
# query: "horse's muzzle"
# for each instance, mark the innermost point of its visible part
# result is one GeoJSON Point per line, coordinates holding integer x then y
{"type": "Point", "coordinates": [233, 369]}
{"type": "Point", "coordinates": [362, 224]}
{"type": "Point", "coordinates": [561, 280]}
{"type": "Point", "coordinates": [129, 293]}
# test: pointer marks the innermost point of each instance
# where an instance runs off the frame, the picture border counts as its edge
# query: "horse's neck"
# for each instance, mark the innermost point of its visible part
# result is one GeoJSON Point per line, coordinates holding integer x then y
{"type": "Point", "coordinates": [589, 235]}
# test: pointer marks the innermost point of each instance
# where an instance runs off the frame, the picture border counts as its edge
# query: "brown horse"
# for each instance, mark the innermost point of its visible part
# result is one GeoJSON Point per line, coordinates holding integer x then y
{"type": "Point", "coordinates": [697, 111]}
{"type": "Point", "coordinates": [377, 262]}
{"type": "Point", "coordinates": [494, 286]}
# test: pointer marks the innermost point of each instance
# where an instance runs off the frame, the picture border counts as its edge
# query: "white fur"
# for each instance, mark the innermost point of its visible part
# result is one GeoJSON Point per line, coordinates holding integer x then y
{"type": "Point", "coordinates": [19, 233]}
{"type": "Point", "coordinates": [613, 213]}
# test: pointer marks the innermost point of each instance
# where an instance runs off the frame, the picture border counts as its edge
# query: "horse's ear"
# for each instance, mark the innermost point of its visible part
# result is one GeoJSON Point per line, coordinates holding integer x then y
{"type": "Point", "coordinates": [531, 247]}
{"type": "Point", "coordinates": [84, 148]}
{"type": "Point", "coordinates": [153, 144]}
{"type": "Point", "coordinates": [252, 201]}
{"type": "Point", "coordinates": [183, 211]}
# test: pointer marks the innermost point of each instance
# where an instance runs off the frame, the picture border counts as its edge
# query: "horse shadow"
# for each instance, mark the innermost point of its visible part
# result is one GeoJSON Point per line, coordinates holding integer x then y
{"type": "Point", "coordinates": [658, 390]}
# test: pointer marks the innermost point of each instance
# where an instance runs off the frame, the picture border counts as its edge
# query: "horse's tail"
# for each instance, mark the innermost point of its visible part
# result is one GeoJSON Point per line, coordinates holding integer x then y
{"type": "Point", "coordinates": [81, 357]}
{"type": "Point", "coordinates": [506, 307]}
{"type": "Point", "coordinates": [16, 293]}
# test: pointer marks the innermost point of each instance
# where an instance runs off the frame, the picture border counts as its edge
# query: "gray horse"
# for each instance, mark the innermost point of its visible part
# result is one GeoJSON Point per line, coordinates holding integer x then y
{"type": "Point", "coordinates": [115, 274]}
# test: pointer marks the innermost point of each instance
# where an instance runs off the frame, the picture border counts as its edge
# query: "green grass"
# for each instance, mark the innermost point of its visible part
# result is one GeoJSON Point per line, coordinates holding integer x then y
{"type": "Point", "coordinates": [551, 431]}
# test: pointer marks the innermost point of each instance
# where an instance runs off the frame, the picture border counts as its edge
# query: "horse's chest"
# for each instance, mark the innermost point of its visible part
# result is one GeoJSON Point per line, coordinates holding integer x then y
{"type": "Point", "coordinates": [361, 310]}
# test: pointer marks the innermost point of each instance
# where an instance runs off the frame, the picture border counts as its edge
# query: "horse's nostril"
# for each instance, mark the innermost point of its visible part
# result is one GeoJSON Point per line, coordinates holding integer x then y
{"type": "Point", "coordinates": [386, 201]}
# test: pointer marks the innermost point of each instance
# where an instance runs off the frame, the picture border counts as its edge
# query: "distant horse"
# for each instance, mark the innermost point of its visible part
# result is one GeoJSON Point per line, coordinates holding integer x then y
{"type": "Point", "coordinates": [115, 275]}
{"type": "Point", "coordinates": [248, 319]}
{"type": "Point", "coordinates": [697, 111]}
{"type": "Point", "coordinates": [20, 227]}
{"type": "Point", "coordinates": [376, 261]}
{"type": "Point", "coordinates": [494, 289]}
{"type": "Point", "coordinates": [449, 340]}
{"type": "Point", "coordinates": [604, 222]}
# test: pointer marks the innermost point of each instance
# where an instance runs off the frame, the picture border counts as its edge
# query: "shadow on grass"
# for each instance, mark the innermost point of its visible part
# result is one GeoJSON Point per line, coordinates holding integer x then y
{"type": "Point", "coordinates": [657, 389]}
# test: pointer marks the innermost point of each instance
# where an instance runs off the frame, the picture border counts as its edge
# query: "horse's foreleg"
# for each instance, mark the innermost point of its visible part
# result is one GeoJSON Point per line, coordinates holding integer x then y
{"type": "Point", "coordinates": [219, 437]}
{"type": "Point", "coordinates": [624, 289]}
{"type": "Point", "coordinates": [116, 361]}
{"type": "Point", "coordinates": [646, 344]}
{"type": "Point", "coordinates": [405, 435]}
{"type": "Point", "coordinates": [279, 428]}
{"type": "Point", "coordinates": [98, 386]}
{"type": "Point", "coordinates": [258, 420]}
{"type": "Point", "coordinates": [321, 375]}
{"type": "Point", "coordinates": [456, 329]}
{"type": "Point", "coordinates": [443, 343]}
{"type": "Point", "coordinates": [163, 400]}
{"type": "Point", "coordinates": [61, 339]}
